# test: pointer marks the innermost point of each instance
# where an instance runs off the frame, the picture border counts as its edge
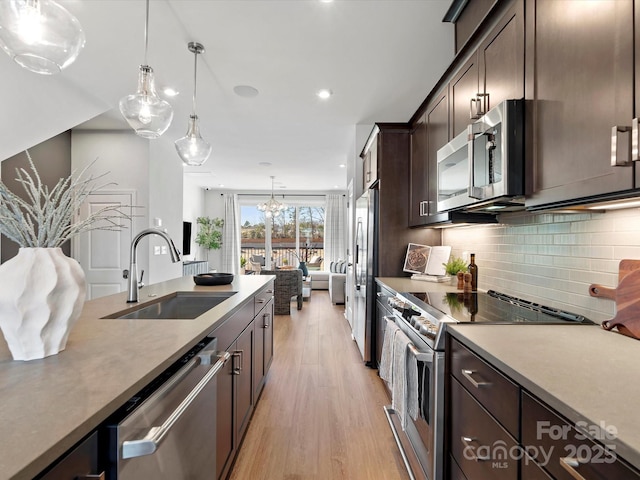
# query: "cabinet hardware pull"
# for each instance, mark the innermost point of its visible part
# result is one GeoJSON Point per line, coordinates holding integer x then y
{"type": "Point", "coordinates": [484, 106]}
{"type": "Point", "coordinates": [265, 317]}
{"type": "Point", "coordinates": [237, 369]}
{"type": "Point", "coordinates": [472, 114]}
{"type": "Point", "coordinates": [269, 291]}
{"type": "Point", "coordinates": [155, 435]}
{"type": "Point", "coordinates": [570, 464]}
{"type": "Point", "coordinates": [98, 476]}
{"type": "Point", "coordinates": [380, 294]}
{"type": "Point", "coordinates": [621, 146]}
{"type": "Point", "coordinates": [635, 153]}
{"type": "Point", "coordinates": [467, 374]}
{"type": "Point", "coordinates": [260, 300]}
{"type": "Point", "coordinates": [424, 208]}
{"type": "Point", "coordinates": [466, 441]}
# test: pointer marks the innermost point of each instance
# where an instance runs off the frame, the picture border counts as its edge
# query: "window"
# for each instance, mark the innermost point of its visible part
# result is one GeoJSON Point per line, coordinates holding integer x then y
{"type": "Point", "coordinates": [296, 235]}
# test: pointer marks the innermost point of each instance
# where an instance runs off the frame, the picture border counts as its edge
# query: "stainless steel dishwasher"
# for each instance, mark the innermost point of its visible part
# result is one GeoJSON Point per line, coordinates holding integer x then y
{"type": "Point", "coordinates": [168, 430]}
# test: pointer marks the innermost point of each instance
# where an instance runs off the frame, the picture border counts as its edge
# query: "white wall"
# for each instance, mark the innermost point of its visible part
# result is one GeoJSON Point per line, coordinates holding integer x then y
{"type": "Point", "coordinates": [126, 157]}
{"type": "Point", "coordinates": [153, 169]}
{"type": "Point", "coordinates": [552, 258]}
{"type": "Point", "coordinates": [165, 203]}
{"type": "Point", "coordinates": [192, 208]}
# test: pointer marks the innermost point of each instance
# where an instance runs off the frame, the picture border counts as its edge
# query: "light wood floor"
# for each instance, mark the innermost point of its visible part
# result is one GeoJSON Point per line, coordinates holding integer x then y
{"type": "Point", "coordinates": [320, 414]}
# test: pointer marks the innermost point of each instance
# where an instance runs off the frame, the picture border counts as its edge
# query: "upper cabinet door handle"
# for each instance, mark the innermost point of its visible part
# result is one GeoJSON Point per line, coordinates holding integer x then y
{"type": "Point", "coordinates": [635, 153]}
{"type": "Point", "coordinates": [621, 146]}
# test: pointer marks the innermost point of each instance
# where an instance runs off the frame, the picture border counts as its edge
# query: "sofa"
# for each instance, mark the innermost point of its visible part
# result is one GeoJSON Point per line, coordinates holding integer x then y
{"type": "Point", "coordinates": [288, 284]}
{"type": "Point", "coordinates": [333, 280]}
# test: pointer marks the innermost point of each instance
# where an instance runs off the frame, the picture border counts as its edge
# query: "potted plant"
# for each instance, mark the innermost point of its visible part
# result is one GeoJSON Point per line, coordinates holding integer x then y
{"type": "Point", "coordinates": [456, 266]}
{"type": "Point", "coordinates": [209, 233]}
{"type": "Point", "coordinates": [243, 264]}
{"type": "Point", "coordinates": [42, 291]}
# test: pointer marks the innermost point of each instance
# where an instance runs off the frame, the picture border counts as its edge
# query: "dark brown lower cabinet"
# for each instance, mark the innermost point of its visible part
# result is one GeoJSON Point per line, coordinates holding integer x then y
{"type": "Point", "coordinates": [565, 452]}
{"type": "Point", "coordinates": [479, 444]}
{"type": "Point", "coordinates": [455, 472]}
{"type": "Point", "coordinates": [79, 463]}
{"type": "Point", "coordinates": [235, 401]}
{"type": "Point", "coordinates": [263, 351]}
{"type": "Point", "coordinates": [224, 421]}
{"type": "Point", "coordinates": [482, 442]}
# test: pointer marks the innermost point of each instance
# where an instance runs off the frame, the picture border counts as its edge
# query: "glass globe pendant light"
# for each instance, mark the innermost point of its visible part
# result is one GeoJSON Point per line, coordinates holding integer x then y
{"type": "Point", "coordinates": [192, 148]}
{"type": "Point", "coordinates": [272, 208]}
{"type": "Point", "coordinates": [40, 35]}
{"type": "Point", "coordinates": [147, 113]}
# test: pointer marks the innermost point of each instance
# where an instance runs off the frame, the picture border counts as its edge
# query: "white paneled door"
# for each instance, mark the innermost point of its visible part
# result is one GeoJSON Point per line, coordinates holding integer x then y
{"type": "Point", "coordinates": [104, 254]}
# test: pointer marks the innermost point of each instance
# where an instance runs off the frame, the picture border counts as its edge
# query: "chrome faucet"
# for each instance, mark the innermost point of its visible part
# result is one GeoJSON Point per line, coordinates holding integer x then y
{"type": "Point", "coordinates": [132, 279]}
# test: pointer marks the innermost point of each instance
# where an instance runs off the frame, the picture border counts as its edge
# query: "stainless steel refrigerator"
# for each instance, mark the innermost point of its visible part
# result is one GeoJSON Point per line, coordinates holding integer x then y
{"type": "Point", "coordinates": [365, 271]}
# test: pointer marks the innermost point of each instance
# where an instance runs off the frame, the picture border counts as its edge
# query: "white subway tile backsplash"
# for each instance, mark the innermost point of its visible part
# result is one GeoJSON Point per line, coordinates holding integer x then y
{"type": "Point", "coordinates": [552, 258]}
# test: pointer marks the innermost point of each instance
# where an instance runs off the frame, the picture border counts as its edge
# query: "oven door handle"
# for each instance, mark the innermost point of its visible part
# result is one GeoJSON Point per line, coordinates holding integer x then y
{"type": "Point", "coordinates": [155, 435]}
{"type": "Point", "coordinates": [426, 357]}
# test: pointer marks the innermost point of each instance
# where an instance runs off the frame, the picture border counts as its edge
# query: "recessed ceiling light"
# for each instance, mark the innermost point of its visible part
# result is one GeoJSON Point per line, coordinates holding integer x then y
{"type": "Point", "coordinates": [336, 186]}
{"type": "Point", "coordinates": [265, 164]}
{"type": "Point", "coordinates": [324, 94]}
{"type": "Point", "coordinates": [170, 92]}
{"type": "Point", "coordinates": [221, 185]}
{"type": "Point", "coordinates": [342, 165]}
{"type": "Point", "coordinates": [245, 91]}
{"type": "Point", "coordinates": [326, 1]}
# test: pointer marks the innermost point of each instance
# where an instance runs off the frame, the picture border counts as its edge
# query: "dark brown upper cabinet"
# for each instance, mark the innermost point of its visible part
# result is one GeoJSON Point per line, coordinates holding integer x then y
{"type": "Point", "coordinates": [418, 174]}
{"type": "Point", "coordinates": [579, 74]}
{"type": "Point", "coordinates": [492, 73]}
{"type": "Point", "coordinates": [464, 92]}
{"type": "Point", "coordinates": [430, 133]}
{"type": "Point", "coordinates": [370, 163]}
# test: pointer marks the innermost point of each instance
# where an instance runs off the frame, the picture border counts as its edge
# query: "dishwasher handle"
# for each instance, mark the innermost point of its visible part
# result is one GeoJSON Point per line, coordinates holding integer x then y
{"type": "Point", "coordinates": [149, 444]}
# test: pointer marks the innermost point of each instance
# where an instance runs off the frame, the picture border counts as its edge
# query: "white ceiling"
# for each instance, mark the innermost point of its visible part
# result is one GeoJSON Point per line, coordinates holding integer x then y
{"type": "Point", "coordinates": [379, 57]}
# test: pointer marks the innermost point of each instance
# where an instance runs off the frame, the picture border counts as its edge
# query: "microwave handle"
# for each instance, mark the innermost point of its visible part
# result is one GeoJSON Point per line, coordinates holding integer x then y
{"type": "Point", "coordinates": [473, 130]}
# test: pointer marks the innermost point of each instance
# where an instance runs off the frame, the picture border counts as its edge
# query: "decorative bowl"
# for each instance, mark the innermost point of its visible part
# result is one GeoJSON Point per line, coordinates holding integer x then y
{"type": "Point", "coordinates": [213, 278]}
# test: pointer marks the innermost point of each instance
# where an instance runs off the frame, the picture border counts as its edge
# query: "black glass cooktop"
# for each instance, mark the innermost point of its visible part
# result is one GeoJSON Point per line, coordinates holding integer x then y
{"type": "Point", "coordinates": [492, 307]}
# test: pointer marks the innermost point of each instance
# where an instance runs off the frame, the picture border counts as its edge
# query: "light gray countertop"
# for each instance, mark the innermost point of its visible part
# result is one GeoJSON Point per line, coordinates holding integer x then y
{"type": "Point", "coordinates": [405, 284]}
{"type": "Point", "coordinates": [50, 404]}
{"type": "Point", "coordinates": [582, 371]}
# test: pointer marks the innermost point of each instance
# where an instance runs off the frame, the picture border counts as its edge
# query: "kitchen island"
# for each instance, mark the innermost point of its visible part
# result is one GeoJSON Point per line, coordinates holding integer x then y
{"type": "Point", "coordinates": [48, 405]}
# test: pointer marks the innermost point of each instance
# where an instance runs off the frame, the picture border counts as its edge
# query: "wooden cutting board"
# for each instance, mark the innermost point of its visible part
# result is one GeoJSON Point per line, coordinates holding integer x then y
{"type": "Point", "coordinates": [624, 269]}
{"type": "Point", "coordinates": [627, 318]}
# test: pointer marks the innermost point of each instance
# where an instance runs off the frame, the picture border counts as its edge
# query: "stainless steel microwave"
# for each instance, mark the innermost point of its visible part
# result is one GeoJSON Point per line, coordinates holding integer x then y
{"type": "Point", "coordinates": [483, 168]}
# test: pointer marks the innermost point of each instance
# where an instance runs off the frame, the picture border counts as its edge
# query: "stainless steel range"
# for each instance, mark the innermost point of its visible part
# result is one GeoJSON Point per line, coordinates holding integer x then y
{"type": "Point", "coordinates": [423, 317]}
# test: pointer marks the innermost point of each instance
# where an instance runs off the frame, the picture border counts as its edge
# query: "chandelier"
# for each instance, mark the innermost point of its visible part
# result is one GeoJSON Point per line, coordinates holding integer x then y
{"type": "Point", "coordinates": [272, 208]}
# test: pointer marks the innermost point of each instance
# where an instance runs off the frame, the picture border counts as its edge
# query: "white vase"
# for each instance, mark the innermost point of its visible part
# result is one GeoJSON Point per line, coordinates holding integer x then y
{"type": "Point", "coordinates": [42, 292]}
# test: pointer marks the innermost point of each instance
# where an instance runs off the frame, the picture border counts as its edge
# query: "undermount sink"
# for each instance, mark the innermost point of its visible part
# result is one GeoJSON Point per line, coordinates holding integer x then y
{"type": "Point", "coordinates": [180, 306]}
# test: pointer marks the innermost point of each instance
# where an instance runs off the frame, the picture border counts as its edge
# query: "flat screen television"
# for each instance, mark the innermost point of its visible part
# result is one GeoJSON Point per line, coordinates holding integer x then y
{"type": "Point", "coordinates": [186, 238]}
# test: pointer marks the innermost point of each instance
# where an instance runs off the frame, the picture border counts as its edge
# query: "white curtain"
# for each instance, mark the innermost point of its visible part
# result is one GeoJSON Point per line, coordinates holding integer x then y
{"type": "Point", "coordinates": [231, 235]}
{"type": "Point", "coordinates": [335, 232]}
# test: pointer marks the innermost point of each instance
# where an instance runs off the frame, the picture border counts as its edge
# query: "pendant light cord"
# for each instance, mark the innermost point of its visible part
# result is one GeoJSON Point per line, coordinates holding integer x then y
{"type": "Point", "coordinates": [146, 34]}
{"type": "Point", "coordinates": [195, 71]}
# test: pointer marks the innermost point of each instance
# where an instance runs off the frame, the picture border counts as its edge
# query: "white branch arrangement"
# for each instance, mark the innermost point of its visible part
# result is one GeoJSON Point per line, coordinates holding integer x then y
{"type": "Point", "coordinates": [46, 218]}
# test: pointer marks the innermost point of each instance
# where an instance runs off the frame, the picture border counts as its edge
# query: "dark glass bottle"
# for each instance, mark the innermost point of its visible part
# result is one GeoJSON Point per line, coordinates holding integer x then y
{"type": "Point", "coordinates": [473, 270]}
